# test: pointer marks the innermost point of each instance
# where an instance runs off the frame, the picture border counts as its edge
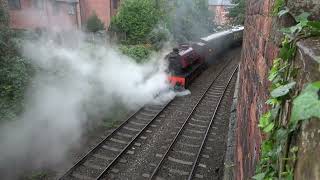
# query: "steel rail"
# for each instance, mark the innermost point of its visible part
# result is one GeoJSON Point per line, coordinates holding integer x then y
{"type": "Point", "coordinates": [184, 124]}
{"type": "Point", "coordinates": [86, 156]}
{"type": "Point", "coordinates": [196, 161]}
{"type": "Point", "coordinates": [131, 142]}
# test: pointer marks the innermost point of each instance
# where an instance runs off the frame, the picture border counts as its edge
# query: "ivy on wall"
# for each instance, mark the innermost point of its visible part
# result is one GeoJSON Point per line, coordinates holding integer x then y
{"type": "Point", "coordinates": [288, 106]}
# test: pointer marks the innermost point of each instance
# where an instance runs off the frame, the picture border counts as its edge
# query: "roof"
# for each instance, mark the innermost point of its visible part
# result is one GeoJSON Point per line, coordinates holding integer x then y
{"type": "Point", "coordinates": [220, 3]}
{"type": "Point", "coordinates": [215, 35]}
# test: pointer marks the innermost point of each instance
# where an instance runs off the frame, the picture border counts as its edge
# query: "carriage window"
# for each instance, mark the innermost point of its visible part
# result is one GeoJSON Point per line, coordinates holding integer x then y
{"type": "Point", "coordinates": [14, 4]}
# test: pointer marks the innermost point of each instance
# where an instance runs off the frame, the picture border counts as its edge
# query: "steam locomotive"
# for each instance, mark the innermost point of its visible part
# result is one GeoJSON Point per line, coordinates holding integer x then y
{"type": "Point", "coordinates": [187, 61]}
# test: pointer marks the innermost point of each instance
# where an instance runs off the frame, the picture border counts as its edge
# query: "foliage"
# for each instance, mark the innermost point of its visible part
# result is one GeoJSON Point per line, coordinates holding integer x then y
{"type": "Point", "coordinates": [237, 13]}
{"type": "Point", "coordinates": [277, 155]}
{"type": "Point", "coordinates": [190, 20]}
{"type": "Point", "coordinates": [136, 18]}
{"type": "Point", "coordinates": [138, 52]}
{"type": "Point", "coordinates": [4, 17]}
{"type": "Point", "coordinates": [158, 37]}
{"type": "Point", "coordinates": [94, 24]}
{"type": "Point", "coordinates": [307, 105]}
{"type": "Point", "coordinates": [15, 73]}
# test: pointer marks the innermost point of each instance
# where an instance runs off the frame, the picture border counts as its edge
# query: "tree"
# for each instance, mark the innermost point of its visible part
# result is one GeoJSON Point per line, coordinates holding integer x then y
{"type": "Point", "coordinates": [237, 13]}
{"type": "Point", "coordinates": [94, 24]}
{"type": "Point", "coordinates": [190, 20]}
{"type": "Point", "coordinates": [136, 18]}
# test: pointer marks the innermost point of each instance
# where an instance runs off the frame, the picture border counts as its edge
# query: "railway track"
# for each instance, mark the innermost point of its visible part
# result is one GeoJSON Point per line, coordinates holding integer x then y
{"type": "Point", "coordinates": [176, 161]}
{"type": "Point", "coordinates": [181, 159]}
{"type": "Point", "coordinates": [109, 150]}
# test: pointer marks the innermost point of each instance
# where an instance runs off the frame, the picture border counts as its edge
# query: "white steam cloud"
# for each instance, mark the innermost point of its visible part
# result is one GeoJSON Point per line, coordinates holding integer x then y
{"type": "Point", "coordinates": [70, 85]}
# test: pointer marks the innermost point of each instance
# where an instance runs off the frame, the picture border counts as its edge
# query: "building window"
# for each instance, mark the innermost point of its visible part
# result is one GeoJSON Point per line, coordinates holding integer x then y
{"type": "Point", "coordinates": [14, 4]}
{"type": "Point", "coordinates": [56, 8]}
{"type": "Point", "coordinates": [115, 4]}
{"type": "Point", "coordinates": [72, 9]}
{"type": "Point", "coordinates": [38, 4]}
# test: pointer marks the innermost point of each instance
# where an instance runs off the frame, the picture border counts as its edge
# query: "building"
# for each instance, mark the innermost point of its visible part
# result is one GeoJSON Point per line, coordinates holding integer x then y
{"type": "Point", "coordinates": [59, 14]}
{"type": "Point", "coordinates": [220, 10]}
{"type": "Point", "coordinates": [42, 14]}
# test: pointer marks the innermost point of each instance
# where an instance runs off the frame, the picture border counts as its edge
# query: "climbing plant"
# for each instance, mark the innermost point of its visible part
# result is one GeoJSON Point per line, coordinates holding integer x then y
{"type": "Point", "coordinates": [280, 124]}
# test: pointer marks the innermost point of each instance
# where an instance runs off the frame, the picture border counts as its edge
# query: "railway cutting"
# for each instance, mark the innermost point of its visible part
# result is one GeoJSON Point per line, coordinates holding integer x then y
{"type": "Point", "coordinates": [177, 140]}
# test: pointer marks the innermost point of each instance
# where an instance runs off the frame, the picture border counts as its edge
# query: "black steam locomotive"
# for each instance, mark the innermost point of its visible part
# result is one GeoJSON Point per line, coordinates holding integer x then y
{"type": "Point", "coordinates": [188, 61]}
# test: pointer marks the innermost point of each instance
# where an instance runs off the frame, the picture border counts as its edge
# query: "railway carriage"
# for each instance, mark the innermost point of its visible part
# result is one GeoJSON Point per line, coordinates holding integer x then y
{"type": "Point", "coordinates": [188, 61]}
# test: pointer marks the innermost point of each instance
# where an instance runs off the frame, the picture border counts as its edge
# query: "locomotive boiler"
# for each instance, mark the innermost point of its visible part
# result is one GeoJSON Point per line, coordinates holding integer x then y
{"type": "Point", "coordinates": [186, 62]}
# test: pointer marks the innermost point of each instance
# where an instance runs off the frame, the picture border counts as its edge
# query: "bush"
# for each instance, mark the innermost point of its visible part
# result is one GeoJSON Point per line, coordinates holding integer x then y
{"type": "Point", "coordinates": [158, 37]}
{"type": "Point", "coordinates": [140, 53]}
{"type": "Point", "coordinates": [136, 18]}
{"type": "Point", "coordinates": [94, 24]}
{"type": "Point", "coordinates": [15, 73]}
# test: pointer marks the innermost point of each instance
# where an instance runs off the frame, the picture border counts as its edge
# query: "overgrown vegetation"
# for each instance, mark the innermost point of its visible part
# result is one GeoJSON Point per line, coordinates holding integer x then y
{"type": "Point", "coordinates": [136, 18]}
{"type": "Point", "coordinates": [15, 73]}
{"type": "Point", "coordinates": [138, 52]}
{"type": "Point", "coordinates": [145, 25]}
{"type": "Point", "coordinates": [237, 13]}
{"type": "Point", "coordinates": [281, 123]}
{"type": "Point", "coordinates": [190, 20]}
{"type": "Point", "coordinates": [94, 24]}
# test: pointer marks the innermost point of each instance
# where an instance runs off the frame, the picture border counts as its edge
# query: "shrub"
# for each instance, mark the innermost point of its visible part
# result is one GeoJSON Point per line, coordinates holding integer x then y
{"type": "Point", "coordinates": [94, 24]}
{"type": "Point", "coordinates": [15, 73]}
{"type": "Point", "coordinates": [140, 53]}
{"type": "Point", "coordinates": [136, 18]}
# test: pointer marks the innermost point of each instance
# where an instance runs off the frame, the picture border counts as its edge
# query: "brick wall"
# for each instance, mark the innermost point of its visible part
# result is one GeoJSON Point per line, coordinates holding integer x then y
{"type": "Point", "coordinates": [261, 41]}
{"type": "Point", "coordinates": [100, 7]}
{"type": "Point", "coordinates": [29, 17]}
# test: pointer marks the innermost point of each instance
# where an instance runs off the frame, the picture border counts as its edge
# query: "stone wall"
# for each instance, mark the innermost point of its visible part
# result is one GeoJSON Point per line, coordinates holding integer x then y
{"type": "Point", "coordinates": [258, 52]}
{"type": "Point", "coordinates": [261, 44]}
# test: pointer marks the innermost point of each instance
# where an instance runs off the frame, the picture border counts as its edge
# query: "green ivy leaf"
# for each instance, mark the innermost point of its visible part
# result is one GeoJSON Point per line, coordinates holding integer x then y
{"type": "Point", "coordinates": [259, 176]}
{"type": "Point", "coordinates": [303, 17]}
{"type": "Point", "coordinates": [269, 128]}
{"type": "Point", "coordinates": [316, 84]}
{"type": "Point", "coordinates": [282, 90]}
{"type": "Point", "coordinates": [283, 12]}
{"type": "Point", "coordinates": [264, 120]}
{"type": "Point", "coordinates": [314, 24]}
{"type": "Point", "coordinates": [307, 104]}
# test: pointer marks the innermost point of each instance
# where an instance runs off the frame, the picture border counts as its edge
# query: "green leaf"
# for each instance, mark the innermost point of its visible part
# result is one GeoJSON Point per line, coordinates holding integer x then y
{"type": "Point", "coordinates": [316, 84]}
{"type": "Point", "coordinates": [272, 101]}
{"type": "Point", "coordinates": [282, 90]}
{"type": "Point", "coordinates": [283, 12]}
{"type": "Point", "coordinates": [259, 176]}
{"type": "Point", "coordinates": [269, 128]}
{"type": "Point", "coordinates": [264, 120]}
{"type": "Point", "coordinates": [314, 24]}
{"type": "Point", "coordinates": [307, 104]}
{"type": "Point", "coordinates": [303, 17]}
